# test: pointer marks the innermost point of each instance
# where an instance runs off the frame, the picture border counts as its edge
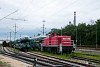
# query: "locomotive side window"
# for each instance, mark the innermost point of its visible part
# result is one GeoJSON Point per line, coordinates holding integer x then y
{"type": "Point", "coordinates": [66, 38]}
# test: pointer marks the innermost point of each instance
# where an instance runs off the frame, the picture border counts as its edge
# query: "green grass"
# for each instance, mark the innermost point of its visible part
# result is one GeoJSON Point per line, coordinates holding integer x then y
{"type": "Point", "coordinates": [63, 56]}
{"type": "Point", "coordinates": [4, 64]}
{"type": "Point", "coordinates": [85, 55]}
{"type": "Point", "coordinates": [68, 56]}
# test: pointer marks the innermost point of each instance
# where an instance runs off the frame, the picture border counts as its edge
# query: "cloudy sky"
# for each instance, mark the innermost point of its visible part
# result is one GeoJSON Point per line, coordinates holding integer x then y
{"type": "Point", "coordinates": [56, 13]}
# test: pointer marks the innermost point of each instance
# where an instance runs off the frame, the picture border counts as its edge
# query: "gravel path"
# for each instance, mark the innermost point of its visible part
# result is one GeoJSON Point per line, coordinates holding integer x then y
{"type": "Point", "coordinates": [13, 62]}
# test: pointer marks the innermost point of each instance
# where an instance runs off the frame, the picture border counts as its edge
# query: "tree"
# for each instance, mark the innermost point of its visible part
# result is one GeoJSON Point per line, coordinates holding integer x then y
{"type": "Point", "coordinates": [57, 31]}
{"type": "Point", "coordinates": [81, 33]}
{"type": "Point", "coordinates": [86, 34]}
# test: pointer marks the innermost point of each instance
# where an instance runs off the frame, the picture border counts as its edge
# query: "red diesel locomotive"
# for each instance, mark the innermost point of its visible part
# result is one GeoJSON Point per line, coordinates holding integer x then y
{"type": "Point", "coordinates": [59, 44]}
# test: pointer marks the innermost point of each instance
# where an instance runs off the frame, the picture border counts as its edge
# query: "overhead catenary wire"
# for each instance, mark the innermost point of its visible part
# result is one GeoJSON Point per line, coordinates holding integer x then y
{"type": "Point", "coordinates": [64, 7]}
{"type": "Point", "coordinates": [69, 5]}
{"type": "Point", "coordinates": [8, 15]}
{"type": "Point", "coordinates": [40, 8]}
{"type": "Point", "coordinates": [16, 19]}
{"type": "Point", "coordinates": [46, 5]}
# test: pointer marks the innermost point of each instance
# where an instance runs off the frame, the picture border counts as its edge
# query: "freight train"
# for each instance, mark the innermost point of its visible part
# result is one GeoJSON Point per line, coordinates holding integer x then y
{"type": "Point", "coordinates": [51, 43]}
{"type": "Point", "coordinates": [28, 43]}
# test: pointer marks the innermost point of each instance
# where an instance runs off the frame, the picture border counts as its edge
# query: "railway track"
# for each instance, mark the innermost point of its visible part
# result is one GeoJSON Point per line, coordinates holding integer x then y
{"type": "Point", "coordinates": [74, 57]}
{"type": "Point", "coordinates": [23, 57]}
{"type": "Point", "coordinates": [51, 61]}
{"type": "Point", "coordinates": [59, 60]}
{"type": "Point", "coordinates": [41, 61]}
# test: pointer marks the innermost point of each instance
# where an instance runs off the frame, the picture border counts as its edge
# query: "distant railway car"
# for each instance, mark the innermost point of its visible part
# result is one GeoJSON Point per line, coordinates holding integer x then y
{"type": "Point", "coordinates": [22, 44]}
{"type": "Point", "coordinates": [37, 42]}
{"type": "Point", "coordinates": [57, 44]}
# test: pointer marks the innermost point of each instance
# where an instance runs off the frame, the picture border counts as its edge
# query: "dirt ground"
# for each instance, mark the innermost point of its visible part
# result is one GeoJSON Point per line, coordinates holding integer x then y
{"type": "Point", "coordinates": [13, 62]}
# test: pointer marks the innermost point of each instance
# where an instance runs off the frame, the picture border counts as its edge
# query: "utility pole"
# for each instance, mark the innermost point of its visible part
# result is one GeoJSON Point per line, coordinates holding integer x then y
{"type": "Point", "coordinates": [15, 36]}
{"type": "Point", "coordinates": [75, 26]}
{"type": "Point", "coordinates": [43, 27]}
{"type": "Point", "coordinates": [15, 24]}
{"type": "Point", "coordinates": [15, 32]}
{"type": "Point", "coordinates": [74, 18]}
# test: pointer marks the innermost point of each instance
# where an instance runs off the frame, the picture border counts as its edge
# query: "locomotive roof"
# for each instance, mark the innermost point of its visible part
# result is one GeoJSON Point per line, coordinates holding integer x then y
{"type": "Point", "coordinates": [39, 37]}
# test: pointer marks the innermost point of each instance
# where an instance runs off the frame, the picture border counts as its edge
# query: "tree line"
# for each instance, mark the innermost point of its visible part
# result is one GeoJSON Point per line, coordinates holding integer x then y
{"type": "Point", "coordinates": [87, 34]}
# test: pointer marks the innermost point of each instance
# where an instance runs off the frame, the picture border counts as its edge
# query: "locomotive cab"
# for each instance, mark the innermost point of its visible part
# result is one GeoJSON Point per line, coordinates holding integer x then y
{"type": "Point", "coordinates": [57, 44]}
